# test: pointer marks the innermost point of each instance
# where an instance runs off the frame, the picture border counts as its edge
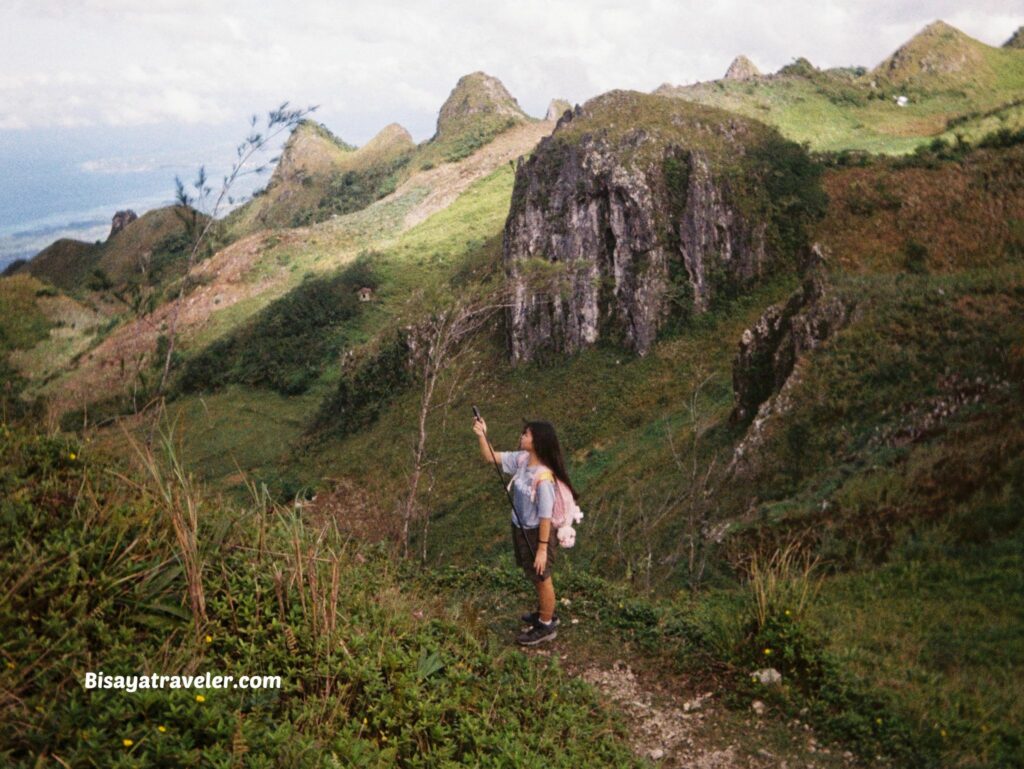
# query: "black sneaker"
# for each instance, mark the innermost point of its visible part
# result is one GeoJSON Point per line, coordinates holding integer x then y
{"type": "Point", "coordinates": [533, 618]}
{"type": "Point", "coordinates": [537, 634]}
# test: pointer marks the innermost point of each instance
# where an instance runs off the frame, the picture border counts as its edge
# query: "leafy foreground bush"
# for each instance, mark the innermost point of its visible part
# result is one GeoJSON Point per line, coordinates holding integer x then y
{"type": "Point", "coordinates": [95, 578]}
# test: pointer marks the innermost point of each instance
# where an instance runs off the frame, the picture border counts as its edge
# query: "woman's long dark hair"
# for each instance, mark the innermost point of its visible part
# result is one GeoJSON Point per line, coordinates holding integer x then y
{"type": "Point", "coordinates": [549, 450]}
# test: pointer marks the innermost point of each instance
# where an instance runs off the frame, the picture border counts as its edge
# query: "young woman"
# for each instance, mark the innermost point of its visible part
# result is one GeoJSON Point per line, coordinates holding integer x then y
{"type": "Point", "coordinates": [539, 456]}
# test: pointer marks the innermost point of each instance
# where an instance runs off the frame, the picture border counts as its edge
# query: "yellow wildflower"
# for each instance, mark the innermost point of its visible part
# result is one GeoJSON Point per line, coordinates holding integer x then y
{"type": "Point", "coordinates": [767, 652]}
{"type": "Point", "coordinates": [71, 455]}
{"type": "Point", "coordinates": [161, 729]}
{"type": "Point", "coordinates": [127, 743]}
{"type": "Point", "coordinates": [209, 639]}
{"type": "Point", "coordinates": [200, 698]}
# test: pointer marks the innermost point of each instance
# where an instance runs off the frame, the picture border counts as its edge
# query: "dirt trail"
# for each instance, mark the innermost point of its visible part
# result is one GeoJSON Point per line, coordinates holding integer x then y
{"type": "Point", "coordinates": [675, 729]}
{"type": "Point", "coordinates": [449, 180]}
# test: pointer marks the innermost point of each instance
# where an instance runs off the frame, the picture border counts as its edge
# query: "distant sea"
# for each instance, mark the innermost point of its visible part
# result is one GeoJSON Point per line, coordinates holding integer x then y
{"type": "Point", "coordinates": [69, 182]}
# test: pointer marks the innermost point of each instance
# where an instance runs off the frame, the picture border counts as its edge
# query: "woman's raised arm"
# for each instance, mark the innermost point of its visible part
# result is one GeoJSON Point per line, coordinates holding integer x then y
{"type": "Point", "coordinates": [490, 456]}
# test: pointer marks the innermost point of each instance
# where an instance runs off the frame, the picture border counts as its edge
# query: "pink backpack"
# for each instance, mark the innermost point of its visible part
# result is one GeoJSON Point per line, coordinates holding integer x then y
{"type": "Point", "coordinates": [565, 512]}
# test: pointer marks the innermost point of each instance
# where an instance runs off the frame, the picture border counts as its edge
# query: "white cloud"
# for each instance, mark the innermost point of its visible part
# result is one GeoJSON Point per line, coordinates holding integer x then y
{"type": "Point", "coordinates": [115, 166]}
{"type": "Point", "coordinates": [121, 62]}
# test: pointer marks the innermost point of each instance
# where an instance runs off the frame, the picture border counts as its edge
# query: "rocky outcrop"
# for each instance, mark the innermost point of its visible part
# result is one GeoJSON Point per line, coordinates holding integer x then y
{"type": "Point", "coordinates": [1016, 39]}
{"type": "Point", "coordinates": [939, 55]}
{"type": "Point", "coordinates": [769, 350]}
{"type": "Point", "coordinates": [311, 150]}
{"type": "Point", "coordinates": [121, 220]}
{"type": "Point", "coordinates": [767, 366]}
{"type": "Point", "coordinates": [391, 139]}
{"type": "Point", "coordinates": [476, 96]}
{"type": "Point", "coordinates": [741, 68]}
{"type": "Point", "coordinates": [636, 208]}
{"type": "Point", "coordinates": [556, 109]}
{"type": "Point", "coordinates": [799, 67]}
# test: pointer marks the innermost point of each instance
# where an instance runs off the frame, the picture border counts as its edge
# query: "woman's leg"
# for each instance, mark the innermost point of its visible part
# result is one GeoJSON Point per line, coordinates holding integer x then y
{"type": "Point", "coordinates": [546, 599]}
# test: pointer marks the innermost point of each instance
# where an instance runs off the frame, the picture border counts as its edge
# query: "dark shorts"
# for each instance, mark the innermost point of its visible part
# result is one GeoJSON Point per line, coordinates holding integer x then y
{"type": "Point", "coordinates": [524, 558]}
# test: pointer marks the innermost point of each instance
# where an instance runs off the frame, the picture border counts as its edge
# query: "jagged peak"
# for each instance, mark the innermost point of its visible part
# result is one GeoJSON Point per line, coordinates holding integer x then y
{"type": "Point", "coordinates": [1016, 39]}
{"type": "Point", "coordinates": [801, 67]}
{"type": "Point", "coordinates": [392, 132]}
{"type": "Point", "coordinates": [477, 94]}
{"type": "Point", "coordinates": [938, 50]}
{"type": "Point", "coordinates": [311, 148]}
{"type": "Point", "coordinates": [938, 27]}
{"type": "Point", "coordinates": [310, 129]}
{"type": "Point", "coordinates": [742, 68]}
{"type": "Point", "coordinates": [557, 108]}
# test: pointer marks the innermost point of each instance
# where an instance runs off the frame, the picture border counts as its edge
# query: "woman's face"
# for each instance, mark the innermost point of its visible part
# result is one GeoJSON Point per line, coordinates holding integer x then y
{"type": "Point", "coordinates": [526, 440]}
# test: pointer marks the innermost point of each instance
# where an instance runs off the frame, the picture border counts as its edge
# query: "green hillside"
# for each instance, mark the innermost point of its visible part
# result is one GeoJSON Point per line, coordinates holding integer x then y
{"type": "Point", "coordinates": [945, 75]}
{"type": "Point", "coordinates": [149, 251]}
{"type": "Point", "coordinates": [320, 177]}
{"type": "Point", "coordinates": [919, 382]}
{"type": "Point", "coordinates": [822, 474]}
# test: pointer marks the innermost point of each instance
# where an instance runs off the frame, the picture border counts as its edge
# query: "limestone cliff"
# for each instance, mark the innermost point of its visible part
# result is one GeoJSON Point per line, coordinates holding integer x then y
{"type": "Point", "coordinates": [638, 208]}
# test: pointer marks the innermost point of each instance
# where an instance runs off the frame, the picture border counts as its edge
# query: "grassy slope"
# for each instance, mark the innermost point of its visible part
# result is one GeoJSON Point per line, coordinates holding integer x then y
{"type": "Point", "coordinates": [312, 161]}
{"type": "Point", "coordinates": [962, 214]}
{"type": "Point", "coordinates": [374, 673]}
{"type": "Point", "coordinates": [615, 412]}
{"type": "Point", "coordinates": [64, 263]}
{"type": "Point", "coordinates": [41, 328]}
{"type": "Point", "coordinates": [320, 176]}
{"type": "Point", "coordinates": [23, 323]}
{"type": "Point", "coordinates": [223, 433]}
{"type": "Point", "coordinates": [942, 628]}
{"type": "Point", "coordinates": [832, 110]}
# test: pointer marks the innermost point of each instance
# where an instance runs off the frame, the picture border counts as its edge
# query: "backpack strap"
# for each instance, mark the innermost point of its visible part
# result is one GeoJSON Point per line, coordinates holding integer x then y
{"type": "Point", "coordinates": [544, 474]}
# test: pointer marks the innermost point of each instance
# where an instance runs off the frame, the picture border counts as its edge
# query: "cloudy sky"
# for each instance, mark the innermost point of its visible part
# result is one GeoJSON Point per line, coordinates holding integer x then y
{"type": "Point", "coordinates": [123, 63]}
{"type": "Point", "coordinates": [104, 102]}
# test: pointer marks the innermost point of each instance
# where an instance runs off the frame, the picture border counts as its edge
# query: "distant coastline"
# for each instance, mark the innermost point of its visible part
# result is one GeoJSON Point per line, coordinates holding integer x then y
{"type": "Point", "coordinates": [69, 183]}
{"type": "Point", "coordinates": [26, 239]}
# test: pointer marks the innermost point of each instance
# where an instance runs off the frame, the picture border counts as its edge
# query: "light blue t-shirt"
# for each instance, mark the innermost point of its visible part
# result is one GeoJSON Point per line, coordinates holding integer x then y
{"type": "Point", "coordinates": [530, 513]}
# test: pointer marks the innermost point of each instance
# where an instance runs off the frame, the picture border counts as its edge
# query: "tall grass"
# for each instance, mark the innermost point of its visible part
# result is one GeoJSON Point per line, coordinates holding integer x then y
{"type": "Point", "coordinates": [781, 580]}
{"type": "Point", "coordinates": [179, 500]}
